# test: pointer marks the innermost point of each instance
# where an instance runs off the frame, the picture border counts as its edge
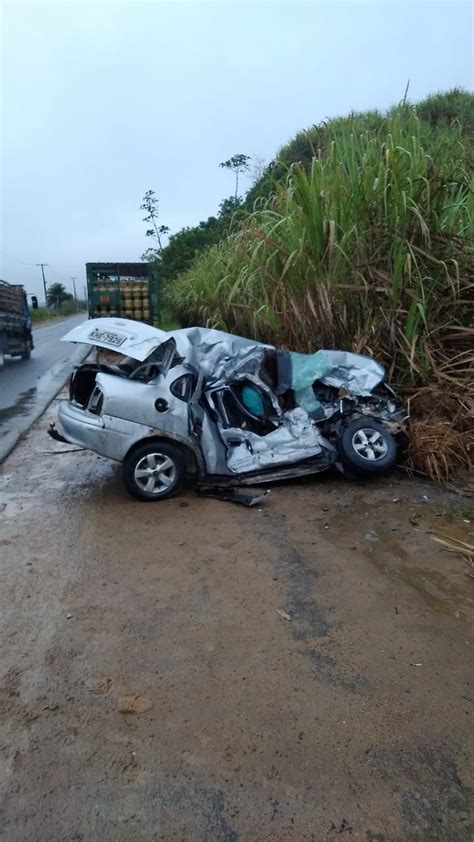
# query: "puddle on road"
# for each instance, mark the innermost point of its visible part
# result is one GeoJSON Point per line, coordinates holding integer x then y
{"type": "Point", "coordinates": [22, 406]}
{"type": "Point", "coordinates": [26, 401]}
{"type": "Point", "coordinates": [16, 419]}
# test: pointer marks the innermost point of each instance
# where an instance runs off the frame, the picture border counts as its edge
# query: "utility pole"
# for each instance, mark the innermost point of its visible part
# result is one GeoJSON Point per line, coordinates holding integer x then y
{"type": "Point", "coordinates": [75, 296]}
{"type": "Point", "coordinates": [44, 282]}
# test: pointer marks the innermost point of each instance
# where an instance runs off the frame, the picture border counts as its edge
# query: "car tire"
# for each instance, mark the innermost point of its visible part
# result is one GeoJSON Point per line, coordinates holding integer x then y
{"type": "Point", "coordinates": [153, 471]}
{"type": "Point", "coordinates": [367, 447]}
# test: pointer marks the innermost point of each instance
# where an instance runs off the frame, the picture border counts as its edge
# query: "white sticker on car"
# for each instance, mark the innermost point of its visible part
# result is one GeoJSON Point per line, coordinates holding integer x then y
{"type": "Point", "coordinates": [107, 336]}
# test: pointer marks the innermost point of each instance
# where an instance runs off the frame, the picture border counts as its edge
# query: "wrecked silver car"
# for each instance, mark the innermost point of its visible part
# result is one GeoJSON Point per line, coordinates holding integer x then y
{"type": "Point", "coordinates": [226, 410]}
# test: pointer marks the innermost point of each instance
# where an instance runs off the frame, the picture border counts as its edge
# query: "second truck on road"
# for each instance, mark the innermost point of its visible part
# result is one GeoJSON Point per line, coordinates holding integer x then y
{"type": "Point", "coordinates": [16, 337]}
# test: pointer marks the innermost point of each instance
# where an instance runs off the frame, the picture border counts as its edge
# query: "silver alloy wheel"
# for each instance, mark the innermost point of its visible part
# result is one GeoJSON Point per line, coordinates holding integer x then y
{"type": "Point", "coordinates": [155, 473]}
{"type": "Point", "coordinates": [369, 444]}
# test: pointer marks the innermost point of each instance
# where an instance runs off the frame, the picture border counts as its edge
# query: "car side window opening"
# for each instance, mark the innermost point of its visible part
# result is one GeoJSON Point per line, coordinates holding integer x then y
{"type": "Point", "coordinates": [184, 386]}
{"type": "Point", "coordinates": [253, 412]}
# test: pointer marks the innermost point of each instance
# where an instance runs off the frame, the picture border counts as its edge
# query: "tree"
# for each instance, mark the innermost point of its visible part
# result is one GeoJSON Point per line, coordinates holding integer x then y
{"type": "Point", "coordinates": [237, 164]}
{"type": "Point", "coordinates": [228, 207]}
{"type": "Point", "coordinates": [56, 295]}
{"type": "Point", "coordinates": [150, 204]}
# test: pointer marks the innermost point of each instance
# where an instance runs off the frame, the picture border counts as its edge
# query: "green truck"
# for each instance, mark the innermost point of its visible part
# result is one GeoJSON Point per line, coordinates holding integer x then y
{"type": "Point", "coordinates": [128, 290]}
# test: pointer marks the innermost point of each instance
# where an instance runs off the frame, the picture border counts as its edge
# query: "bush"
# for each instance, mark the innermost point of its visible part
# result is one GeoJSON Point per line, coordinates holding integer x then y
{"type": "Point", "coordinates": [369, 249]}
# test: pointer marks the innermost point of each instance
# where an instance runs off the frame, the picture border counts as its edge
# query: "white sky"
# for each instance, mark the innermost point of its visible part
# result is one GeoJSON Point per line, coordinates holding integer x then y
{"type": "Point", "coordinates": [101, 101]}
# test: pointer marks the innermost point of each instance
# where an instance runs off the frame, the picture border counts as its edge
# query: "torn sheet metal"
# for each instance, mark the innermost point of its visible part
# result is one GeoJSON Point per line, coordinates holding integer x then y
{"type": "Point", "coordinates": [296, 439]}
{"type": "Point", "coordinates": [219, 356]}
{"type": "Point", "coordinates": [340, 369]}
{"type": "Point", "coordinates": [359, 375]}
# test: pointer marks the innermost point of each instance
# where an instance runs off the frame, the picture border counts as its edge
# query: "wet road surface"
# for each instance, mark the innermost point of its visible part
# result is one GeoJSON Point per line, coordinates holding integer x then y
{"type": "Point", "coordinates": [27, 386]}
{"type": "Point", "coordinates": [195, 671]}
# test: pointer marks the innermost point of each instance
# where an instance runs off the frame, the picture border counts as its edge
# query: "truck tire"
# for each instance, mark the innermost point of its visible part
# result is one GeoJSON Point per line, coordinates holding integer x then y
{"type": "Point", "coordinates": [26, 355]}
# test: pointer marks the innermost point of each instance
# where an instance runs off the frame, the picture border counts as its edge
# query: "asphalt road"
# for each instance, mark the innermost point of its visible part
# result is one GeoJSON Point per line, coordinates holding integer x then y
{"type": "Point", "coordinates": [27, 386]}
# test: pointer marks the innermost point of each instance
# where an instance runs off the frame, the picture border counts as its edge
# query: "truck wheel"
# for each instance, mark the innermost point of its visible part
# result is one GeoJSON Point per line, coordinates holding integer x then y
{"type": "Point", "coordinates": [2, 360]}
{"type": "Point", "coordinates": [153, 471]}
{"type": "Point", "coordinates": [26, 355]}
{"type": "Point", "coordinates": [367, 447]}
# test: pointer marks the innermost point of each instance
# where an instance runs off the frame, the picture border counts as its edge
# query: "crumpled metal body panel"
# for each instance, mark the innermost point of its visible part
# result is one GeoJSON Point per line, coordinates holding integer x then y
{"type": "Point", "coordinates": [358, 374]}
{"type": "Point", "coordinates": [218, 355]}
{"type": "Point", "coordinates": [136, 409]}
{"type": "Point", "coordinates": [297, 438]}
{"type": "Point", "coordinates": [221, 355]}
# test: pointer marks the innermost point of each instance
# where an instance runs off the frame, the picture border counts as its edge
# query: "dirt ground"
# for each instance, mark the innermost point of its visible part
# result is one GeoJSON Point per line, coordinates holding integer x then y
{"type": "Point", "coordinates": [195, 670]}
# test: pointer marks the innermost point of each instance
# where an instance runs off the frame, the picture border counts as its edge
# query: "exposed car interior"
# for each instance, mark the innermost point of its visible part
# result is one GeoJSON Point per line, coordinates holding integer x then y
{"type": "Point", "coordinates": [233, 404]}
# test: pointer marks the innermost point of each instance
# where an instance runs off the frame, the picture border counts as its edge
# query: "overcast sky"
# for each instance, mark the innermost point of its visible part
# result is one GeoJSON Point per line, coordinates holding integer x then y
{"type": "Point", "coordinates": [101, 101]}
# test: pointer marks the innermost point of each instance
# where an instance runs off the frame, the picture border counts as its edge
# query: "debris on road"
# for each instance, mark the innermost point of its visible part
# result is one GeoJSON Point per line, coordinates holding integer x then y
{"type": "Point", "coordinates": [455, 545]}
{"type": "Point", "coordinates": [245, 498]}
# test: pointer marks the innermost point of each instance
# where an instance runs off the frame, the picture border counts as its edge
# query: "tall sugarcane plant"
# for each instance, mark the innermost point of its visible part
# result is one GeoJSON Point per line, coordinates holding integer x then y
{"type": "Point", "coordinates": [369, 248]}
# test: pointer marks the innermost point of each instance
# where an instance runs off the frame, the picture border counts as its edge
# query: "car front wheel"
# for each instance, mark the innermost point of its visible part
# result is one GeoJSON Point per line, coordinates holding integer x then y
{"type": "Point", "coordinates": [153, 471]}
{"type": "Point", "coordinates": [367, 447]}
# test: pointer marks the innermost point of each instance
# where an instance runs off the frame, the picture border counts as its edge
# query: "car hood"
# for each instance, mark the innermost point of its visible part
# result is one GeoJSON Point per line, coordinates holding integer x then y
{"type": "Point", "coordinates": [125, 336]}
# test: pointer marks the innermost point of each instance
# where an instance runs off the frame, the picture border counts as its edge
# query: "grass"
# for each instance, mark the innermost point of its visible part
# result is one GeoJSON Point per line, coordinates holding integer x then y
{"type": "Point", "coordinates": [369, 249]}
{"type": "Point", "coordinates": [167, 320]}
{"type": "Point", "coordinates": [41, 314]}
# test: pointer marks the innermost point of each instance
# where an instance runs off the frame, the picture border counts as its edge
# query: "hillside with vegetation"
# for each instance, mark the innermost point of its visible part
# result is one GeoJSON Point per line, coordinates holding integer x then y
{"type": "Point", "coordinates": [360, 236]}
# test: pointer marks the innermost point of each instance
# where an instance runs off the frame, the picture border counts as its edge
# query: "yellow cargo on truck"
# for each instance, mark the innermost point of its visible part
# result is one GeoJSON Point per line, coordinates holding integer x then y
{"type": "Point", "coordinates": [121, 289]}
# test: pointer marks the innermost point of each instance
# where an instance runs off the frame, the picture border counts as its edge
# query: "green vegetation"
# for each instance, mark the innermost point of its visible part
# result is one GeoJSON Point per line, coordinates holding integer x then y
{"type": "Point", "coordinates": [42, 314]}
{"type": "Point", "coordinates": [57, 296]}
{"type": "Point", "coordinates": [368, 249]}
{"type": "Point", "coordinates": [453, 111]}
{"type": "Point", "coordinates": [366, 244]}
{"type": "Point", "coordinates": [238, 164]}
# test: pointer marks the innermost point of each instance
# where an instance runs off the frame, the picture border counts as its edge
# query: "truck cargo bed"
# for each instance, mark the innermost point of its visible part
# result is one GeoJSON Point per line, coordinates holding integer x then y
{"type": "Point", "coordinates": [11, 299]}
{"type": "Point", "coordinates": [121, 289]}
